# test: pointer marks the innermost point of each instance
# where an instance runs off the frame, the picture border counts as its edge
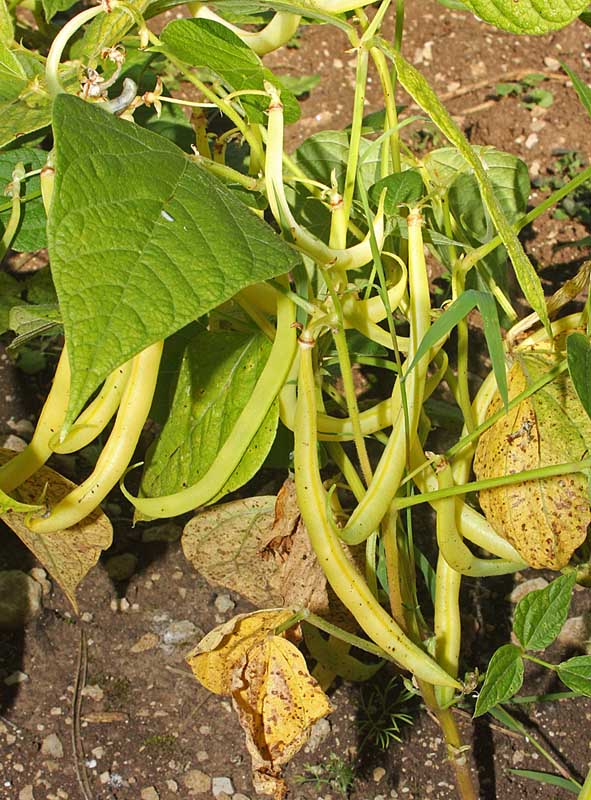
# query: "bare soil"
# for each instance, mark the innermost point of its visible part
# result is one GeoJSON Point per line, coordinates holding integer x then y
{"type": "Point", "coordinates": [143, 725]}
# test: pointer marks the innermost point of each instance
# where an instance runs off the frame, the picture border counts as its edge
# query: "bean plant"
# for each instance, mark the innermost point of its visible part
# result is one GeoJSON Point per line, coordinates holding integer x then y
{"type": "Point", "coordinates": [208, 280]}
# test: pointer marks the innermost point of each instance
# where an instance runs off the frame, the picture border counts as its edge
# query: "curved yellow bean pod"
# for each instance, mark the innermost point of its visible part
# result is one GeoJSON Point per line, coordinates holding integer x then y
{"type": "Point", "coordinates": [277, 32]}
{"type": "Point", "coordinates": [343, 576]}
{"type": "Point", "coordinates": [51, 419]}
{"type": "Point", "coordinates": [388, 473]}
{"type": "Point", "coordinates": [117, 452]}
{"type": "Point", "coordinates": [250, 420]}
{"type": "Point", "coordinates": [350, 258]}
{"type": "Point", "coordinates": [96, 416]}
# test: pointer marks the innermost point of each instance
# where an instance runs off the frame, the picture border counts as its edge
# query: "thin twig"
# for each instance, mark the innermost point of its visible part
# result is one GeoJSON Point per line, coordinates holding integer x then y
{"type": "Point", "coordinates": [77, 746]}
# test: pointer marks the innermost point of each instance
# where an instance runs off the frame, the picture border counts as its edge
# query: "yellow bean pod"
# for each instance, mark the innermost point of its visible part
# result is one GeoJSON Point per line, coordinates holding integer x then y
{"type": "Point", "coordinates": [117, 452]}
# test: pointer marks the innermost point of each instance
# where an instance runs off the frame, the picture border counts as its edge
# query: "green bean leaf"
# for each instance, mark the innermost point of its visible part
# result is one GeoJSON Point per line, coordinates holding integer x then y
{"type": "Point", "coordinates": [142, 241]}
{"type": "Point", "coordinates": [527, 16]}
{"type": "Point", "coordinates": [401, 187]}
{"type": "Point", "coordinates": [503, 678]}
{"type": "Point", "coordinates": [540, 615]}
{"type": "Point", "coordinates": [576, 674]}
{"type": "Point", "coordinates": [206, 43]}
{"type": "Point", "coordinates": [578, 353]}
{"type": "Point", "coordinates": [456, 312]}
{"type": "Point", "coordinates": [217, 375]}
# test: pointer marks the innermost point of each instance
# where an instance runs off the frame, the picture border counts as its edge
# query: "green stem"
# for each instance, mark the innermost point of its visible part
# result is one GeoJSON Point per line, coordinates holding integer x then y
{"type": "Point", "coordinates": [355, 135]}
{"type": "Point", "coordinates": [550, 471]}
{"type": "Point", "coordinates": [585, 793]}
{"type": "Point", "coordinates": [539, 661]}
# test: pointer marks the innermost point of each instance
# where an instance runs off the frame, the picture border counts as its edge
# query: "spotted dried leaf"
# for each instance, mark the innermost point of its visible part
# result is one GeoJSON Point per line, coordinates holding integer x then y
{"type": "Point", "coordinates": [545, 520]}
{"type": "Point", "coordinates": [67, 555]}
{"type": "Point", "coordinates": [259, 548]}
{"type": "Point", "coordinates": [216, 656]}
{"type": "Point", "coordinates": [278, 702]}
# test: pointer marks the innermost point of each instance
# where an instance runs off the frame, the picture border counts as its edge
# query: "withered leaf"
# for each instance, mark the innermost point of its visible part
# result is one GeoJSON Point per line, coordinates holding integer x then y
{"type": "Point", "coordinates": [259, 548]}
{"type": "Point", "coordinates": [214, 659]}
{"type": "Point", "coordinates": [545, 520]}
{"type": "Point", "coordinates": [66, 555]}
{"type": "Point", "coordinates": [277, 701]}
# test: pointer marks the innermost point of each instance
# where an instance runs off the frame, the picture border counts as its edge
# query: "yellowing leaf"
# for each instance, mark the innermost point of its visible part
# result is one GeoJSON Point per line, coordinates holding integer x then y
{"type": "Point", "coordinates": [214, 659]}
{"type": "Point", "coordinates": [258, 547]}
{"type": "Point", "coordinates": [66, 555]}
{"type": "Point", "coordinates": [545, 520]}
{"type": "Point", "coordinates": [277, 701]}
{"type": "Point", "coordinates": [225, 544]}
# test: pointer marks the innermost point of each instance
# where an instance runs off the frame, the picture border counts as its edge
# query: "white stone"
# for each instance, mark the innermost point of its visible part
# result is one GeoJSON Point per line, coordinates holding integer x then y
{"type": "Point", "coordinates": [320, 731]}
{"type": "Point", "coordinates": [180, 632]}
{"type": "Point", "coordinates": [149, 793]}
{"type": "Point", "coordinates": [51, 746]}
{"type": "Point", "coordinates": [223, 603]}
{"type": "Point", "coordinates": [220, 785]}
{"type": "Point", "coordinates": [26, 793]}
{"type": "Point", "coordinates": [552, 63]}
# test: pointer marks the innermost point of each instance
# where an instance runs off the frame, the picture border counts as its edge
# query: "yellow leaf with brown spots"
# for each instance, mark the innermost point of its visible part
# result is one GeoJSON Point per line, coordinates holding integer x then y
{"type": "Point", "coordinates": [216, 656]}
{"type": "Point", "coordinates": [278, 702]}
{"type": "Point", "coordinates": [66, 555]}
{"type": "Point", "coordinates": [545, 520]}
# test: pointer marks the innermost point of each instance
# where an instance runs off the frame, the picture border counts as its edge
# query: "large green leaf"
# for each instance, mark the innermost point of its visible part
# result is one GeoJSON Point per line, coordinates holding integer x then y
{"type": "Point", "coordinates": [31, 230]}
{"type": "Point", "coordinates": [540, 615]}
{"type": "Point", "coordinates": [527, 16]}
{"type": "Point", "coordinates": [142, 241]}
{"type": "Point", "coordinates": [503, 678]}
{"type": "Point", "coordinates": [206, 43]}
{"type": "Point", "coordinates": [219, 370]}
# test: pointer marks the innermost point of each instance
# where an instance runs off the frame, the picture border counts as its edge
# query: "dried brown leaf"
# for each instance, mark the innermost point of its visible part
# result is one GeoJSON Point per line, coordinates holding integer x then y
{"type": "Point", "coordinates": [545, 520]}
{"type": "Point", "coordinates": [259, 548]}
{"type": "Point", "coordinates": [66, 555]}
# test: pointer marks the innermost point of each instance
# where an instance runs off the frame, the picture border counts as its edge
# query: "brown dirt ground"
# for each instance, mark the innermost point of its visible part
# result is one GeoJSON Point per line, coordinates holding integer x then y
{"type": "Point", "coordinates": [148, 724]}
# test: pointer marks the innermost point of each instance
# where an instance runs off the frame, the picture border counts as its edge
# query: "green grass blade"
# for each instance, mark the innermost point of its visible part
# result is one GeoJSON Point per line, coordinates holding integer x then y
{"type": "Point", "coordinates": [548, 778]}
{"type": "Point", "coordinates": [581, 88]}
{"type": "Point", "coordinates": [422, 93]}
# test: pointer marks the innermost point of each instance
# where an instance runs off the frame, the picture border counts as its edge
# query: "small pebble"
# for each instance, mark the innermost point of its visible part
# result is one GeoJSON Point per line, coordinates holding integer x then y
{"type": "Point", "coordinates": [149, 793]}
{"type": "Point", "coordinates": [87, 617]}
{"type": "Point", "coordinates": [223, 603]}
{"type": "Point", "coordinates": [378, 774]}
{"type": "Point", "coordinates": [16, 677]}
{"type": "Point", "coordinates": [197, 781]}
{"type": "Point", "coordinates": [552, 63]}
{"type": "Point", "coordinates": [38, 574]}
{"type": "Point", "coordinates": [52, 746]}
{"type": "Point", "coordinates": [320, 731]}
{"type": "Point", "coordinates": [240, 796]}
{"type": "Point", "coordinates": [172, 786]}
{"type": "Point", "coordinates": [26, 793]}
{"type": "Point", "coordinates": [202, 756]}
{"type": "Point", "coordinates": [94, 692]}
{"type": "Point", "coordinates": [98, 752]}
{"type": "Point", "coordinates": [575, 633]}
{"type": "Point", "coordinates": [15, 443]}
{"type": "Point", "coordinates": [531, 141]}
{"type": "Point", "coordinates": [105, 777]}
{"type": "Point", "coordinates": [219, 785]}
{"type": "Point", "coordinates": [181, 632]}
